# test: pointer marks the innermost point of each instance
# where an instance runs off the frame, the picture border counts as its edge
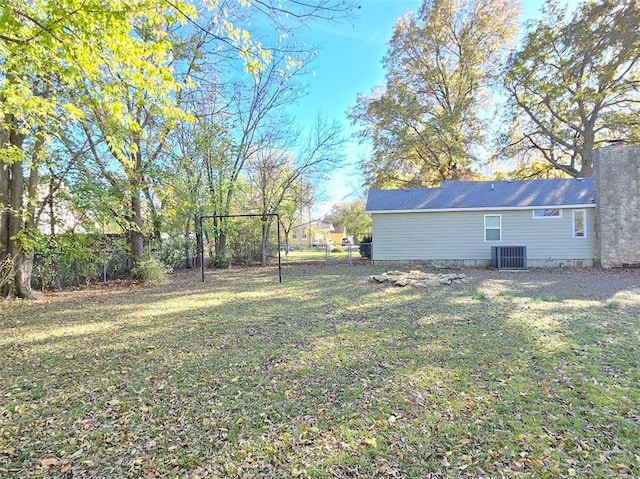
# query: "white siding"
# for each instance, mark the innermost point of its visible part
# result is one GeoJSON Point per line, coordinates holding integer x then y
{"type": "Point", "coordinates": [460, 236]}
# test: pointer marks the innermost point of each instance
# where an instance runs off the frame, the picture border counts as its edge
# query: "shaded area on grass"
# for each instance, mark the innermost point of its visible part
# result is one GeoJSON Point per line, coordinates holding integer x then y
{"type": "Point", "coordinates": [325, 375]}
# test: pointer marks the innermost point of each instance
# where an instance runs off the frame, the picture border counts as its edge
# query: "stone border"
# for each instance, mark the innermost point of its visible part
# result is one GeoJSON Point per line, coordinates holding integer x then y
{"type": "Point", "coordinates": [418, 279]}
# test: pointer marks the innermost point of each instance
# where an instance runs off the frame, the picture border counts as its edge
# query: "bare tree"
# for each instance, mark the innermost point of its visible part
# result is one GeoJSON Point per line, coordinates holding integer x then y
{"type": "Point", "coordinates": [275, 175]}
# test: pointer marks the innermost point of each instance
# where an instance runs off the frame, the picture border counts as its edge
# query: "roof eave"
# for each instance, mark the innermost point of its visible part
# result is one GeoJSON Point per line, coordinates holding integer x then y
{"type": "Point", "coordinates": [491, 208]}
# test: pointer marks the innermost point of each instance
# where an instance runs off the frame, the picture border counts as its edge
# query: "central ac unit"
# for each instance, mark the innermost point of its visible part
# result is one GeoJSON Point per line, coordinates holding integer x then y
{"type": "Point", "coordinates": [509, 257]}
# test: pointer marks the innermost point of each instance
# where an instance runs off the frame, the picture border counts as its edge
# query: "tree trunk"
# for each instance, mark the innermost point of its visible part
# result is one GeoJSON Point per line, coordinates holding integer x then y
{"type": "Point", "coordinates": [586, 168]}
{"type": "Point", "coordinates": [136, 239]}
{"type": "Point", "coordinates": [188, 261]}
{"type": "Point", "coordinates": [136, 223]}
{"type": "Point", "coordinates": [221, 243]}
{"type": "Point", "coordinates": [199, 240]}
{"type": "Point", "coordinates": [156, 222]}
{"type": "Point", "coordinates": [220, 235]}
{"type": "Point", "coordinates": [18, 262]}
{"type": "Point", "coordinates": [16, 265]}
{"type": "Point", "coordinates": [266, 229]}
{"type": "Point", "coordinates": [6, 271]}
{"type": "Point", "coordinates": [23, 267]}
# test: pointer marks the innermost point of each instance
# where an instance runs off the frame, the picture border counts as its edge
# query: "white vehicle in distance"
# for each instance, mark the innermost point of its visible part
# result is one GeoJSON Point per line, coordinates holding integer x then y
{"type": "Point", "coordinates": [348, 241]}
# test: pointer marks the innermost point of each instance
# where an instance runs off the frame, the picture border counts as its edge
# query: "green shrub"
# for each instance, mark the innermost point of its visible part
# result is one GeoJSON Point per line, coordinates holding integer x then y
{"type": "Point", "coordinates": [172, 251]}
{"type": "Point", "coordinates": [365, 247]}
{"type": "Point", "coordinates": [220, 261]}
{"type": "Point", "coordinates": [149, 269]}
{"type": "Point", "coordinates": [64, 259]}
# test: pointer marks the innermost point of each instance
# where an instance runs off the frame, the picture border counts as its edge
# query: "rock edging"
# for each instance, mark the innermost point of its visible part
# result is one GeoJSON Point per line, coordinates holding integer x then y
{"type": "Point", "coordinates": [417, 279]}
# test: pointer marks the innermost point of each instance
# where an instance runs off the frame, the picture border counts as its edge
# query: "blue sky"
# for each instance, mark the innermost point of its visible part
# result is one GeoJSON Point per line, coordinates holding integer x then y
{"type": "Point", "coordinates": [349, 62]}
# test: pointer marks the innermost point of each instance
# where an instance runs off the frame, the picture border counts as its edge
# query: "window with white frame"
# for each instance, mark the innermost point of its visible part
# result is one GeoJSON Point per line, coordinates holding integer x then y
{"type": "Point", "coordinates": [579, 223]}
{"type": "Point", "coordinates": [547, 213]}
{"type": "Point", "coordinates": [294, 235]}
{"type": "Point", "coordinates": [304, 235]}
{"type": "Point", "coordinates": [492, 227]}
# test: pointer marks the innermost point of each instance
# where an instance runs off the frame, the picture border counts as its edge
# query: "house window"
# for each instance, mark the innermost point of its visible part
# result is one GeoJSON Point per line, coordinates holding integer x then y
{"type": "Point", "coordinates": [492, 227]}
{"type": "Point", "coordinates": [295, 236]}
{"type": "Point", "coordinates": [304, 235]}
{"type": "Point", "coordinates": [579, 223]}
{"type": "Point", "coordinates": [547, 213]}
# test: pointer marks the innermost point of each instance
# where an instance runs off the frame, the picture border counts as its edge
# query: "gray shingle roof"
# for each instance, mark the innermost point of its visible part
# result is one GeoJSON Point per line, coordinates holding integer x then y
{"type": "Point", "coordinates": [486, 194]}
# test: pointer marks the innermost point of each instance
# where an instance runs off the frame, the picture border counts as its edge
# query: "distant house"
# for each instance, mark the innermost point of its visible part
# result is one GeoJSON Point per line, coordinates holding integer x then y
{"type": "Point", "coordinates": [57, 214]}
{"type": "Point", "coordinates": [316, 233]}
{"type": "Point", "coordinates": [555, 222]}
{"type": "Point", "coordinates": [300, 235]}
{"type": "Point", "coordinates": [337, 233]}
{"type": "Point", "coordinates": [320, 233]}
{"type": "Point", "coordinates": [549, 222]}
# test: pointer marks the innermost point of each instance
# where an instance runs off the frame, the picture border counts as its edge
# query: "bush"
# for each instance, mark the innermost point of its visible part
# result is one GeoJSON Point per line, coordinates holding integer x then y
{"type": "Point", "coordinates": [71, 259]}
{"type": "Point", "coordinates": [64, 260]}
{"type": "Point", "coordinates": [172, 251]}
{"type": "Point", "coordinates": [365, 247]}
{"type": "Point", "coordinates": [149, 269]}
{"type": "Point", "coordinates": [220, 261]}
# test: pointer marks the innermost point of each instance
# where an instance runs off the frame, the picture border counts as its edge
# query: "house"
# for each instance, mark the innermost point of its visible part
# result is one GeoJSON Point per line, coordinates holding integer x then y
{"type": "Point", "coordinates": [555, 222]}
{"type": "Point", "coordinates": [316, 233]}
{"type": "Point", "coordinates": [56, 214]}
{"type": "Point", "coordinates": [320, 233]}
{"type": "Point", "coordinates": [300, 235]}
{"type": "Point", "coordinates": [337, 233]}
{"type": "Point", "coordinates": [462, 222]}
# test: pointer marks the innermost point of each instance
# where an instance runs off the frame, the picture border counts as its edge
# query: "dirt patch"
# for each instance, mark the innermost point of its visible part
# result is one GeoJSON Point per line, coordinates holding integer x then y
{"type": "Point", "coordinates": [594, 284]}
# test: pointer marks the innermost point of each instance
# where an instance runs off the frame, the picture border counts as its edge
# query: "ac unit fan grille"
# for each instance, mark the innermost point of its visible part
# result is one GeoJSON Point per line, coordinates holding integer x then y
{"type": "Point", "coordinates": [509, 257]}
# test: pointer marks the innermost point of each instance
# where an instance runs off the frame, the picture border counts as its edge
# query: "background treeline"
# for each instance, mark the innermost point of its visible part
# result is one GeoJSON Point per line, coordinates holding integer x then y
{"type": "Point", "coordinates": [121, 123]}
{"type": "Point", "coordinates": [135, 118]}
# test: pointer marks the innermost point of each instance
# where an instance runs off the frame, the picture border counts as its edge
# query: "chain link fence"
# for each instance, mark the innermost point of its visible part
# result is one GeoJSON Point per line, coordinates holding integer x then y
{"type": "Point", "coordinates": [348, 254]}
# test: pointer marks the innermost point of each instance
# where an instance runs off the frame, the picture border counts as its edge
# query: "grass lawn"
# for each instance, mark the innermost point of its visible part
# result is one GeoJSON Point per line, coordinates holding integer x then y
{"type": "Point", "coordinates": [324, 375]}
{"type": "Point", "coordinates": [319, 255]}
